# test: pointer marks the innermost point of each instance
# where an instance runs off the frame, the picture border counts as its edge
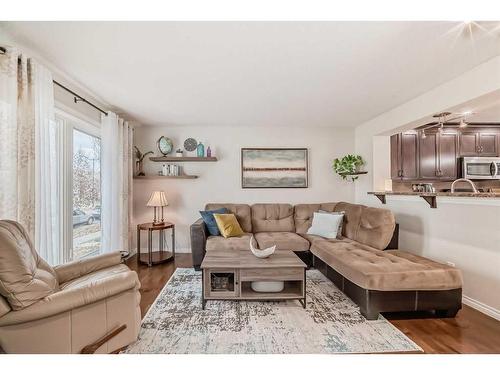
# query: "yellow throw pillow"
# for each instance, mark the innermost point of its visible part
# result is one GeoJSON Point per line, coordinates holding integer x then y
{"type": "Point", "coordinates": [228, 225]}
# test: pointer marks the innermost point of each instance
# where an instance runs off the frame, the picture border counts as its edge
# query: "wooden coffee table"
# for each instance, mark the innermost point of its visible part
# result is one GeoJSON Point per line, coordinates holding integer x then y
{"type": "Point", "coordinates": [227, 275]}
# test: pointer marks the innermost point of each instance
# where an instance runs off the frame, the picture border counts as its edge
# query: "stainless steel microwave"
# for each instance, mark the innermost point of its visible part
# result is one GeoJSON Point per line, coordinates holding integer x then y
{"type": "Point", "coordinates": [481, 168]}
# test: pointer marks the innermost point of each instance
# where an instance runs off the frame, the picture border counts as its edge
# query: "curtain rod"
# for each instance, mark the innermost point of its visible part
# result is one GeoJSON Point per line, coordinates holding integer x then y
{"type": "Point", "coordinates": [77, 98]}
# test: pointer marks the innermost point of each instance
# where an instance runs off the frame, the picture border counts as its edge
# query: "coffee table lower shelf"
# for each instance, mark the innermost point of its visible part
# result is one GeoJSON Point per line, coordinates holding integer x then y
{"type": "Point", "coordinates": [294, 289]}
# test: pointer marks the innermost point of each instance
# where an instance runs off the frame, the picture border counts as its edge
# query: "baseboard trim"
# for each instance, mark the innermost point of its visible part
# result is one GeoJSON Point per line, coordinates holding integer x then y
{"type": "Point", "coordinates": [485, 309]}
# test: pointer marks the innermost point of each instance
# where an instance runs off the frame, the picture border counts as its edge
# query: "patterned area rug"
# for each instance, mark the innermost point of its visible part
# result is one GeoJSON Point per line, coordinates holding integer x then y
{"type": "Point", "coordinates": [332, 323]}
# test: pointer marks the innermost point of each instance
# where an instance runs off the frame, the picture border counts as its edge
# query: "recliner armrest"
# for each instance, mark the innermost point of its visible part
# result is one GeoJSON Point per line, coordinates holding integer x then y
{"type": "Point", "coordinates": [78, 268]}
{"type": "Point", "coordinates": [72, 298]}
{"type": "Point", "coordinates": [199, 234]}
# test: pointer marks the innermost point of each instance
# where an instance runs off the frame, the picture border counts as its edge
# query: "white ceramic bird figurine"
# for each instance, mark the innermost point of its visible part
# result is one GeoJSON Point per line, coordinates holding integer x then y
{"type": "Point", "coordinates": [261, 253]}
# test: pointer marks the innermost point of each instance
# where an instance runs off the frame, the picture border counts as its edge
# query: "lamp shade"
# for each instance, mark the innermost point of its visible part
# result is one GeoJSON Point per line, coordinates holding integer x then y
{"type": "Point", "coordinates": [157, 199]}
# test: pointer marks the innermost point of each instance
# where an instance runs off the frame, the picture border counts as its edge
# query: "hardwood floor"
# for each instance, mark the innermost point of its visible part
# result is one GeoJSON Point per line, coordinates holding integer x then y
{"type": "Point", "coordinates": [470, 332]}
{"type": "Point", "coordinates": [153, 279]}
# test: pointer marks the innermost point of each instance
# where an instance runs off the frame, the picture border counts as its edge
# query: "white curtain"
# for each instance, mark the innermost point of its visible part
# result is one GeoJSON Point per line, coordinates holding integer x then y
{"type": "Point", "coordinates": [116, 185]}
{"type": "Point", "coordinates": [29, 189]}
{"type": "Point", "coordinates": [17, 139]}
{"type": "Point", "coordinates": [47, 169]}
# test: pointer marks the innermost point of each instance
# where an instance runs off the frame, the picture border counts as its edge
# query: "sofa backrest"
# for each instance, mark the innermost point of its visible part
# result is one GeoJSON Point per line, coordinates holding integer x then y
{"type": "Point", "coordinates": [376, 227]}
{"type": "Point", "coordinates": [272, 217]}
{"type": "Point", "coordinates": [241, 211]}
{"type": "Point", "coordinates": [304, 213]}
{"type": "Point", "coordinates": [352, 218]}
{"type": "Point", "coordinates": [25, 277]}
{"type": "Point", "coordinates": [368, 225]}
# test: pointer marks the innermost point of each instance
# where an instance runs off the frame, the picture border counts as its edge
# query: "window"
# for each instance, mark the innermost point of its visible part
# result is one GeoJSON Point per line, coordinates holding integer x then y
{"type": "Point", "coordinates": [81, 176]}
{"type": "Point", "coordinates": [86, 219]}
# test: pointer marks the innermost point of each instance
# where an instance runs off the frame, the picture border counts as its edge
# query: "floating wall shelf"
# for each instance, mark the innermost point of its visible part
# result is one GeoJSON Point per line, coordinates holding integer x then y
{"type": "Point", "coordinates": [181, 158]}
{"type": "Point", "coordinates": [182, 177]}
{"type": "Point", "coordinates": [352, 174]}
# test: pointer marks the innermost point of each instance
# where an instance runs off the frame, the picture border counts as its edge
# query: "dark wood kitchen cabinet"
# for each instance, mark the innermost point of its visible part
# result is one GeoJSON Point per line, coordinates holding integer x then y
{"type": "Point", "coordinates": [404, 156]}
{"type": "Point", "coordinates": [448, 156]}
{"type": "Point", "coordinates": [438, 155]}
{"type": "Point", "coordinates": [428, 155]}
{"type": "Point", "coordinates": [478, 142]}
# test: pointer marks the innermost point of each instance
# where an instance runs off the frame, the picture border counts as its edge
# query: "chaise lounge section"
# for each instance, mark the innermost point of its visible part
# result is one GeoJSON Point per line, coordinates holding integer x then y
{"type": "Point", "coordinates": [377, 280]}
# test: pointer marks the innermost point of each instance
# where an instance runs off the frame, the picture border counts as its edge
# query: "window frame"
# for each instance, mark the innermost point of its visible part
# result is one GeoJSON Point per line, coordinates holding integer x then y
{"type": "Point", "coordinates": [68, 123]}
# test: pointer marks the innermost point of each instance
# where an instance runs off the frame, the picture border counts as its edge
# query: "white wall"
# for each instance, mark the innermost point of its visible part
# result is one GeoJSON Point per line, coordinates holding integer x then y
{"type": "Point", "coordinates": [464, 231]}
{"type": "Point", "coordinates": [221, 181]}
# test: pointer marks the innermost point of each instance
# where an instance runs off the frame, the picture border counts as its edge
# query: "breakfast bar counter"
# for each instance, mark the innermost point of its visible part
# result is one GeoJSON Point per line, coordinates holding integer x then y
{"type": "Point", "coordinates": [431, 197]}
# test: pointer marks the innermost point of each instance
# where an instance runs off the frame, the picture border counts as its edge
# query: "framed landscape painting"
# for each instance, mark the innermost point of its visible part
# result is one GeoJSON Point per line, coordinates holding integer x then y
{"type": "Point", "coordinates": [274, 168]}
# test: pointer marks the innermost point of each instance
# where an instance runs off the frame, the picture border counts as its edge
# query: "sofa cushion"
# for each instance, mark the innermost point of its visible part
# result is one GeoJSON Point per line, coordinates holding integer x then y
{"type": "Point", "coordinates": [303, 214]}
{"type": "Point", "coordinates": [241, 211]}
{"type": "Point", "coordinates": [25, 277]}
{"type": "Point", "coordinates": [272, 217]}
{"type": "Point", "coordinates": [375, 269]}
{"type": "Point", "coordinates": [311, 238]}
{"type": "Point", "coordinates": [231, 243]}
{"type": "Point", "coordinates": [282, 240]}
{"type": "Point", "coordinates": [352, 218]}
{"type": "Point", "coordinates": [4, 306]}
{"type": "Point", "coordinates": [376, 227]}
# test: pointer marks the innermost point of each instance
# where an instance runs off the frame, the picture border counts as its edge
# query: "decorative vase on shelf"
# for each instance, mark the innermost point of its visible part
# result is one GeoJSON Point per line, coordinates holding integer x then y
{"type": "Point", "coordinates": [209, 152]}
{"type": "Point", "coordinates": [200, 150]}
{"type": "Point", "coordinates": [138, 168]}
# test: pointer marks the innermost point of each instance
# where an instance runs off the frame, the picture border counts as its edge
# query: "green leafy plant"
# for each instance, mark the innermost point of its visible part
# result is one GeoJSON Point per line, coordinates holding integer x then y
{"type": "Point", "coordinates": [139, 155]}
{"type": "Point", "coordinates": [347, 166]}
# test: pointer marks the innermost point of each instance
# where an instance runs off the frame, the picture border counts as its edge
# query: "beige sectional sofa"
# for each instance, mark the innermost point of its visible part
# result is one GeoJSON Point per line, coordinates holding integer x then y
{"type": "Point", "coordinates": [377, 280]}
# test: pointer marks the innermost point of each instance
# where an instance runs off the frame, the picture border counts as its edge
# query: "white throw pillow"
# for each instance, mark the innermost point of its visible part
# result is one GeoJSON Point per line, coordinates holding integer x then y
{"type": "Point", "coordinates": [342, 213]}
{"type": "Point", "coordinates": [325, 225]}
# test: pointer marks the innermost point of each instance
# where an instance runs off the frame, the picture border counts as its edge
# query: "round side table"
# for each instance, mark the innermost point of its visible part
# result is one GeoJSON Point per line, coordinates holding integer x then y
{"type": "Point", "coordinates": [155, 257]}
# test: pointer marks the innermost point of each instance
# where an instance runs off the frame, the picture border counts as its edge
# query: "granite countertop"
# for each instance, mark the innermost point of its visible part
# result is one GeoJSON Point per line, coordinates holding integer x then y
{"type": "Point", "coordinates": [438, 194]}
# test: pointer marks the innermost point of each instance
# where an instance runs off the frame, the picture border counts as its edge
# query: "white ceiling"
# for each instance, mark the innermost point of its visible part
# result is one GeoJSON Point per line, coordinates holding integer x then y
{"type": "Point", "coordinates": [259, 73]}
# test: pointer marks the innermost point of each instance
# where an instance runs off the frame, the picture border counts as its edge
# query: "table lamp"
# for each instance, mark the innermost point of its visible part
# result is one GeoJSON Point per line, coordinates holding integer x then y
{"type": "Point", "coordinates": [157, 199]}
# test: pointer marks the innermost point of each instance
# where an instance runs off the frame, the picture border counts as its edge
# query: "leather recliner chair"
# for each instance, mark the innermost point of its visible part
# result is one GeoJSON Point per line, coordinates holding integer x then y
{"type": "Point", "coordinates": [90, 305]}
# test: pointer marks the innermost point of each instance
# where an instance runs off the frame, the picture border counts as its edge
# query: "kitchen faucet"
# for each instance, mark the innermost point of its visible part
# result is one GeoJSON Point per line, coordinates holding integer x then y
{"type": "Point", "coordinates": [474, 189]}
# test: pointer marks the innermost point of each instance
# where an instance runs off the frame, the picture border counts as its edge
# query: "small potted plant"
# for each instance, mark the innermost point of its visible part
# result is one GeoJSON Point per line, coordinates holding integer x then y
{"type": "Point", "coordinates": [179, 153]}
{"type": "Point", "coordinates": [348, 167]}
{"type": "Point", "coordinates": [138, 164]}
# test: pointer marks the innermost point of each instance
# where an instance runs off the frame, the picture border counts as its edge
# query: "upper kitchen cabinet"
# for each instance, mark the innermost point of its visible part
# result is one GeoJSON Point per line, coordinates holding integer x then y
{"type": "Point", "coordinates": [447, 156]}
{"type": "Point", "coordinates": [404, 156]}
{"type": "Point", "coordinates": [437, 155]}
{"type": "Point", "coordinates": [478, 142]}
{"type": "Point", "coordinates": [428, 155]}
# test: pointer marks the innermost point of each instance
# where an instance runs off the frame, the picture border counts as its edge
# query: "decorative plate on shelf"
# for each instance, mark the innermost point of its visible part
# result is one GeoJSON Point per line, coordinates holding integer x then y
{"type": "Point", "coordinates": [165, 145]}
{"type": "Point", "coordinates": [190, 144]}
